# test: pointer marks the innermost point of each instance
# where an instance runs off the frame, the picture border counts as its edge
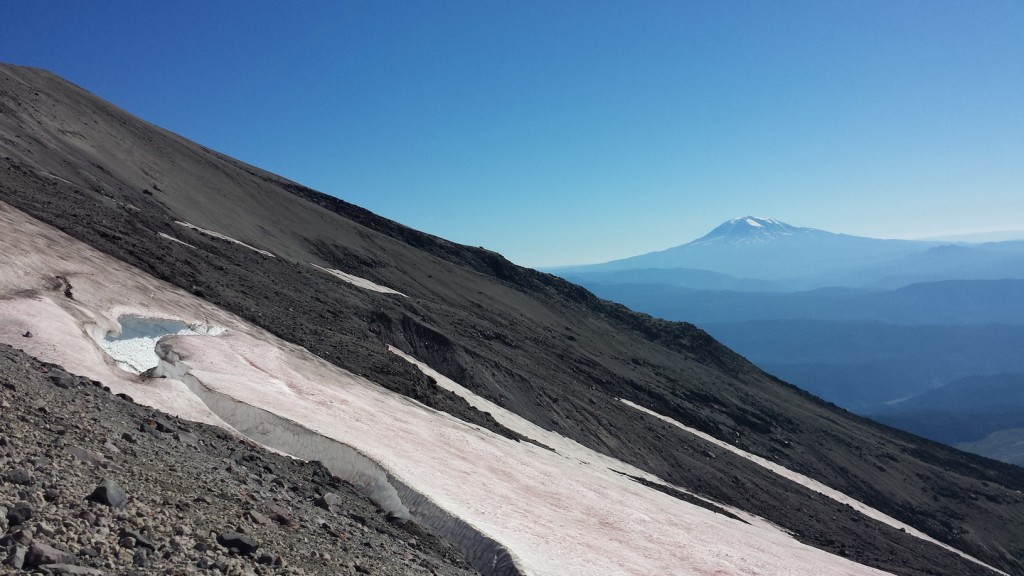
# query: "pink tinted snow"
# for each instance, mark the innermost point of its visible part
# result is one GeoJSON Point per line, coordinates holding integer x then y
{"type": "Point", "coordinates": [558, 515]}
{"type": "Point", "coordinates": [811, 484]}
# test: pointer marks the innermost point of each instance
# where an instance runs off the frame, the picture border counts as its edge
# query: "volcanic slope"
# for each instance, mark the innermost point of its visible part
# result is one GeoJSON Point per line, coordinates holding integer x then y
{"type": "Point", "coordinates": [185, 484]}
{"type": "Point", "coordinates": [527, 341]}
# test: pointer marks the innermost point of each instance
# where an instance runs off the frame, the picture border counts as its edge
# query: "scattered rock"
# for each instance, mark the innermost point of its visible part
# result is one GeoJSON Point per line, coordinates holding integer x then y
{"type": "Point", "coordinates": [19, 514]}
{"type": "Point", "coordinates": [141, 558]}
{"type": "Point", "coordinates": [23, 537]}
{"type": "Point", "coordinates": [39, 554]}
{"type": "Point", "coordinates": [16, 559]}
{"type": "Point", "coordinates": [139, 539]}
{"type": "Point", "coordinates": [330, 502]}
{"type": "Point", "coordinates": [163, 426]}
{"type": "Point", "coordinates": [27, 334]}
{"type": "Point", "coordinates": [150, 427]}
{"type": "Point", "coordinates": [280, 514]}
{"type": "Point", "coordinates": [62, 379]}
{"type": "Point", "coordinates": [109, 493]}
{"type": "Point", "coordinates": [45, 530]}
{"type": "Point", "coordinates": [186, 437]}
{"type": "Point", "coordinates": [244, 544]}
{"type": "Point", "coordinates": [88, 516]}
{"type": "Point", "coordinates": [332, 530]}
{"type": "Point", "coordinates": [19, 476]}
{"type": "Point", "coordinates": [258, 518]}
{"type": "Point", "coordinates": [84, 455]}
{"type": "Point", "coordinates": [71, 570]}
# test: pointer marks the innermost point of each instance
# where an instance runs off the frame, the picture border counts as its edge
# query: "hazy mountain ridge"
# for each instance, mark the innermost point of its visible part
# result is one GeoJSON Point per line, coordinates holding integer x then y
{"type": "Point", "coordinates": [964, 411]}
{"type": "Point", "coordinates": [759, 250]}
{"type": "Point", "coordinates": [864, 365]}
{"type": "Point", "coordinates": [539, 346]}
{"type": "Point", "coordinates": [894, 318]}
{"type": "Point", "coordinates": [767, 249]}
{"type": "Point", "coordinates": [947, 302]}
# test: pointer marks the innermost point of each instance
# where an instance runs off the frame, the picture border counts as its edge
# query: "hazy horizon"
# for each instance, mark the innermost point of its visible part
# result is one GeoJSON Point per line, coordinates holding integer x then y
{"type": "Point", "coordinates": [581, 132]}
{"type": "Point", "coordinates": [977, 238]}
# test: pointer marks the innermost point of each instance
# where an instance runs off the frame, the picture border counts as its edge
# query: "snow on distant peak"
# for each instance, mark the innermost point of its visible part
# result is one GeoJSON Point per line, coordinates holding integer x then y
{"type": "Point", "coordinates": [759, 222]}
{"type": "Point", "coordinates": [750, 230]}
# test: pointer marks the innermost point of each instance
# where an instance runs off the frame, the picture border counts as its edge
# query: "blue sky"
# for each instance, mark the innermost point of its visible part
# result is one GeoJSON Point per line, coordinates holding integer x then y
{"type": "Point", "coordinates": [577, 132]}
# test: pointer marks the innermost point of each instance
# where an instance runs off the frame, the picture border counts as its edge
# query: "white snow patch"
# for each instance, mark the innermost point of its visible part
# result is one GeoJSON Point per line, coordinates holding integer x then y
{"type": "Point", "coordinates": [222, 237]}
{"type": "Point", "coordinates": [568, 448]}
{"type": "Point", "coordinates": [357, 281]}
{"type": "Point", "coordinates": [173, 239]}
{"type": "Point", "coordinates": [754, 223]}
{"type": "Point", "coordinates": [812, 484]}
{"type": "Point", "coordinates": [134, 347]}
{"type": "Point", "coordinates": [55, 177]}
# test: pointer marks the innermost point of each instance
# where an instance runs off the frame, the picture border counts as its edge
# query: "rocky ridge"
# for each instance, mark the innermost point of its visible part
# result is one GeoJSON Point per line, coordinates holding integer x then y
{"type": "Point", "coordinates": [93, 483]}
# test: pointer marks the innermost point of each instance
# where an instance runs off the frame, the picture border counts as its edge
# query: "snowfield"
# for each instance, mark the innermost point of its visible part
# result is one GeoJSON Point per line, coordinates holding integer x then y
{"type": "Point", "coordinates": [357, 281]}
{"type": "Point", "coordinates": [217, 235]}
{"type": "Point", "coordinates": [813, 485]}
{"type": "Point", "coordinates": [173, 239]}
{"type": "Point", "coordinates": [512, 507]}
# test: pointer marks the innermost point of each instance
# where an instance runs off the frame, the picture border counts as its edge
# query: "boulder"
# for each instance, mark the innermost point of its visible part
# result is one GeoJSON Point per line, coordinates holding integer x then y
{"type": "Point", "coordinates": [109, 493]}
{"type": "Point", "coordinates": [244, 544]}
{"type": "Point", "coordinates": [19, 514]}
{"type": "Point", "coordinates": [40, 554]}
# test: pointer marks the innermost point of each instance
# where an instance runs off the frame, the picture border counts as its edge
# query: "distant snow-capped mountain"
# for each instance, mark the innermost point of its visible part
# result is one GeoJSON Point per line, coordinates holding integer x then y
{"type": "Point", "coordinates": [766, 249]}
{"type": "Point", "coordinates": [746, 253]}
{"type": "Point", "coordinates": [753, 230]}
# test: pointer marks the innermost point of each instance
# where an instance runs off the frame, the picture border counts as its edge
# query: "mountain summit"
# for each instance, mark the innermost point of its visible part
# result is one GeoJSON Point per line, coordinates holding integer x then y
{"type": "Point", "coordinates": [754, 230]}
{"type": "Point", "coordinates": [766, 249]}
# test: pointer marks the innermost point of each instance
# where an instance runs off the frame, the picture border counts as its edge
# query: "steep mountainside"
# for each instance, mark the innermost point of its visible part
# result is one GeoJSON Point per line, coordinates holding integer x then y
{"type": "Point", "coordinates": [533, 343]}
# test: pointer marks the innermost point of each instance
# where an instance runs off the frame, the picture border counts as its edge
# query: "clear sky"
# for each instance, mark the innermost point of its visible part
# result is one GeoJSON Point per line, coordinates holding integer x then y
{"type": "Point", "coordinates": [566, 132]}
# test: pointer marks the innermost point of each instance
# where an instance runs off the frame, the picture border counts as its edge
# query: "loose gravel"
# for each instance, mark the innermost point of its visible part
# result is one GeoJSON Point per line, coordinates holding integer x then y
{"type": "Point", "coordinates": [92, 483]}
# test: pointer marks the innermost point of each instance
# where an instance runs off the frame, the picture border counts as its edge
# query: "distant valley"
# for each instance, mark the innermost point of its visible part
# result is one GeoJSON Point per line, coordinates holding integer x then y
{"type": "Point", "coordinates": [898, 330]}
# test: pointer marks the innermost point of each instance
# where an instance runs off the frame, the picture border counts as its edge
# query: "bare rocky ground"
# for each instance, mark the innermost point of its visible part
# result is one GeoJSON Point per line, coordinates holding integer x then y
{"type": "Point", "coordinates": [92, 483]}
